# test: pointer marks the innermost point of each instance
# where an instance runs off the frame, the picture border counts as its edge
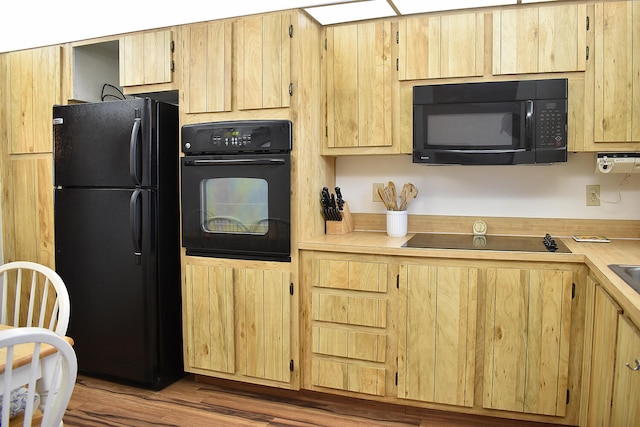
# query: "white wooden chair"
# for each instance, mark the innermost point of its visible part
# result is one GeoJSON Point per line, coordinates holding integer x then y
{"type": "Point", "coordinates": [48, 381]}
{"type": "Point", "coordinates": [33, 295]}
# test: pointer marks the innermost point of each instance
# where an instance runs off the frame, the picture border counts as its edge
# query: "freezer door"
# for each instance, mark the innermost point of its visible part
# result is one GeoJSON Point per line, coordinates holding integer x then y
{"type": "Point", "coordinates": [105, 253]}
{"type": "Point", "coordinates": [107, 144]}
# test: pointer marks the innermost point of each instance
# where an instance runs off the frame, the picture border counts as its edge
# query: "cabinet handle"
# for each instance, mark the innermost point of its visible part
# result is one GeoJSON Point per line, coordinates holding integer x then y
{"type": "Point", "coordinates": [634, 368]}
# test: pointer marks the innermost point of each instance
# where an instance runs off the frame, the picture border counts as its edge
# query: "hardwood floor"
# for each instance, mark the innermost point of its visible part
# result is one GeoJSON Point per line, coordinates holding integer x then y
{"type": "Point", "coordinates": [189, 403]}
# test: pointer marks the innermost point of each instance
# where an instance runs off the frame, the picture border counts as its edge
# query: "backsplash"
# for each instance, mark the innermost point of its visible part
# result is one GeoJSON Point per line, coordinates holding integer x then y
{"type": "Point", "coordinates": [527, 191]}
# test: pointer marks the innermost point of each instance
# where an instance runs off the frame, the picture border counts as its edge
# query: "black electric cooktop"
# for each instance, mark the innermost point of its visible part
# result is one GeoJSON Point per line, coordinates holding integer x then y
{"type": "Point", "coordinates": [487, 242]}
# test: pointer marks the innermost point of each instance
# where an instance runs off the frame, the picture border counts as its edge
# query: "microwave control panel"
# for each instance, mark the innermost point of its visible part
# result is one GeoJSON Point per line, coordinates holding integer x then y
{"type": "Point", "coordinates": [551, 123]}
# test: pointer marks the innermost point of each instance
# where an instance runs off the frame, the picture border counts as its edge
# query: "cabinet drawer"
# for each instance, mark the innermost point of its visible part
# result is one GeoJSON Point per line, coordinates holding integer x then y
{"type": "Point", "coordinates": [351, 344]}
{"type": "Point", "coordinates": [346, 376]}
{"type": "Point", "coordinates": [349, 310]}
{"type": "Point", "coordinates": [353, 275]}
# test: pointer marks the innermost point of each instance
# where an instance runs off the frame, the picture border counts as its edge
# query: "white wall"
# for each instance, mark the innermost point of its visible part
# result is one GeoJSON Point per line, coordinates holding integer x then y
{"type": "Point", "coordinates": [95, 65]}
{"type": "Point", "coordinates": [534, 191]}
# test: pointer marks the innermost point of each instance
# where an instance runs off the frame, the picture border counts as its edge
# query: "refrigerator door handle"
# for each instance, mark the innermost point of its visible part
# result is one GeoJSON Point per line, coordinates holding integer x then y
{"type": "Point", "coordinates": [133, 151]}
{"type": "Point", "coordinates": [135, 224]}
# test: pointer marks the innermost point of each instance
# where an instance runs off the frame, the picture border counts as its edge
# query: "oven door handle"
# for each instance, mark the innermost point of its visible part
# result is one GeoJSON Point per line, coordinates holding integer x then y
{"type": "Point", "coordinates": [234, 162]}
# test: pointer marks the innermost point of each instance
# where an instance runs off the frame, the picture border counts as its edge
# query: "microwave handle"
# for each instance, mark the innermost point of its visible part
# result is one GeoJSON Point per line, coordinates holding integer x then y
{"type": "Point", "coordinates": [528, 123]}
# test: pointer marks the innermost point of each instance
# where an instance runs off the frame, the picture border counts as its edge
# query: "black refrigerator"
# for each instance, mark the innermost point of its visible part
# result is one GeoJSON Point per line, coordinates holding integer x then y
{"type": "Point", "coordinates": [117, 242]}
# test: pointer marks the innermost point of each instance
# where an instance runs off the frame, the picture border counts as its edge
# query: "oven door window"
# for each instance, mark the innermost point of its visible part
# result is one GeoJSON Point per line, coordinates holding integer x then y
{"type": "Point", "coordinates": [235, 205]}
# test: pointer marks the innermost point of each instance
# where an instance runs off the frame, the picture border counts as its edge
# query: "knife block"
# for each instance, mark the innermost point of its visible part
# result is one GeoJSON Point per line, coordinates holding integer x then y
{"type": "Point", "coordinates": [341, 227]}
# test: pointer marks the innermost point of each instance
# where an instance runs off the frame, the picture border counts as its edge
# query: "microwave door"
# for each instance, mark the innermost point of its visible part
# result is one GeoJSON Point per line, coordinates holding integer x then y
{"type": "Point", "coordinates": [474, 133]}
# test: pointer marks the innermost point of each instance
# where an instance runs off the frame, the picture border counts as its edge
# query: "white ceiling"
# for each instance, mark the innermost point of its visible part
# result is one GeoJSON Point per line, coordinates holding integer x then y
{"type": "Point", "coordinates": [32, 23]}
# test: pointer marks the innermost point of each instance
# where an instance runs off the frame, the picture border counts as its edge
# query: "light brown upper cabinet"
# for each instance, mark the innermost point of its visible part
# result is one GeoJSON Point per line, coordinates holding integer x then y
{"type": "Point", "coordinates": [146, 58]}
{"type": "Point", "coordinates": [539, 39]}
{"type": "Point", "coordinates": [264, 66]}
{"type": "Point", "coordinates": [207, 67]}
{"type": "Point", "coordinates": [33, 83]}
{"type": "Point", "coordinates": [358, 80]}
{"type": "Point", "coordinates": [616, 58]}
{"type": "Point", "coordinates": [441, 46]}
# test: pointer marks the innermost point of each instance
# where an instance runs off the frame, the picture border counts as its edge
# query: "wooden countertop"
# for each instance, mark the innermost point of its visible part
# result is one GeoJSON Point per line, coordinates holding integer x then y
{"type": "Point", "coordinates": [597, 256]}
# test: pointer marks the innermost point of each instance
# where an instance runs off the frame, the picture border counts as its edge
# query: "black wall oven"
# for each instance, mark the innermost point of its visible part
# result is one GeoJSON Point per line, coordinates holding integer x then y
{"type": "Point", "coordinates": [236, 189]}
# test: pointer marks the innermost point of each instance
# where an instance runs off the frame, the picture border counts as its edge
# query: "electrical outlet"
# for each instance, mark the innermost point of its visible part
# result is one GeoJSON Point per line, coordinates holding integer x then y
{"type": "Point", "coordinates": [593, 195]}
{"type": "Point", "coordinates": [375, 196]}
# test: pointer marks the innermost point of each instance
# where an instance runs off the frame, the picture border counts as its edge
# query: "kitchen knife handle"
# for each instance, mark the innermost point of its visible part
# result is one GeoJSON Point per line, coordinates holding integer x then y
{"type": "Point", "coordinates": [133, 151]}
{"type": "Point", "coordinates": [135, 224]}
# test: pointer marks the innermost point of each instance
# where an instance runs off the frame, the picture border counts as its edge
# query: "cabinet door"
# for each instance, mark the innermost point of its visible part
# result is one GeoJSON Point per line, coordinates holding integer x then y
{"type": "Point", "coordinates": [358, 69]}
{"type": "Point", "coordinates": [264, 67]}
{"type": "Point", "coordinates": [605, 326]}
{"type": "Point", "coordinates": [33, 86]}
{"type": "Point", "coordinates": [263, 324]}
{"type": "Point", "coordinates": [441, 46]}
{"type": "Point", "coordinates": [349, 321]}
{"type": "Point", "coordinates": [146, 58]}
{"type": "Point", "coordinates": [27, 210]}
{"type": "Point", "coordinates": [539, 39]}
{"type": "Point", "coordinates": [209, 318]}
{"type": "Point", "coordinates": [437, 334]}
{"type": "Point", "coordinates": [207, 67]}
{"type": "Point", "coordinates": [527, 331]}
{"type": "Point", "coordinates": [616, 69]}
{"type": "Point", "coordinates": [625, 408]}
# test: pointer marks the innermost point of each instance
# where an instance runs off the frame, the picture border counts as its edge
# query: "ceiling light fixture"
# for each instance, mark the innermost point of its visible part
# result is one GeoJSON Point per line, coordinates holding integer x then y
{"type": "Point", "coordinates": [355, 11]}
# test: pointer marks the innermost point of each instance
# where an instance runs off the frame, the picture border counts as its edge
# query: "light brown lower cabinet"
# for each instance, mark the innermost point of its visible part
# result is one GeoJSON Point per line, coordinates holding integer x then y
{"type": "Point", "coordinates": [349, 323]}
{"type": "Point", "coordinates": [526, 342]}
{"type": "Point", "coordinates": [614, 388]}
{"type": "Point", "coordinates": [603, 346]}
{"type": "Point", "coordinates": [489, 337]}
{"type": "Point", "coordinates": [437, 333]}
{"type": "Point", "coordinates": [625, 407]}
{"type": "Point", "coordinates": [237, 320]}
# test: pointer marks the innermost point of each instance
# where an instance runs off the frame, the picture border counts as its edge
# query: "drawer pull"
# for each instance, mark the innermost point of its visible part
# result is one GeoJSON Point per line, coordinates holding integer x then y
{"type": "Point", "coordinates": [634, 368]}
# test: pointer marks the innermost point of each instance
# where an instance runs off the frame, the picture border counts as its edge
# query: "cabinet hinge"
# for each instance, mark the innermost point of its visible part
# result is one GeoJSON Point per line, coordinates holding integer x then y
{"type": "Point", "coordinates": [398, 281]}
{"type": "Point", "coordinates": [291, 288]}
{"type": "Point", "coordinates": [587, 23]}
{"type": "Point", "coordinates": [397, 64]}
{"type": "Point", "coordinates": [325, 44]}
{"type": "Point", "coordinates": [291, 31]}
{"type": "Point", "coordinates": [172, 46]}
{"type": "Point", "coordinates": [573, 290]}
{"type": "Point", "coordinates": [290, 89]}
{"type": "Point", "coordinates": [567, 396]}
{"type": "Point", "coordinates": [396, 378]}
{"type": "Point", "coordinates": [291, 365]}
{"type": "Point", "coordinates": [173, 66]}
{"type": "Point", "coordinates": [587, 55]}
{"type": "Point", "coordinates": [397, 37]}
{"type": "Point", "coordinates": [326, 131]}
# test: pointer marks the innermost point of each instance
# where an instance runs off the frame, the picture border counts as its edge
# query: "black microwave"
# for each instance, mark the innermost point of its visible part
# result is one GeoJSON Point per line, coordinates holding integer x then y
{"type": "Point", "coordinates": [491, 123]}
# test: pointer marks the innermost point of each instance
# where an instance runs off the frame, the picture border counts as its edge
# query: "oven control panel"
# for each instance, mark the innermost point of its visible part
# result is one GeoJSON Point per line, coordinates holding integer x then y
{"type": "Point", "coordinates": [251, 136]}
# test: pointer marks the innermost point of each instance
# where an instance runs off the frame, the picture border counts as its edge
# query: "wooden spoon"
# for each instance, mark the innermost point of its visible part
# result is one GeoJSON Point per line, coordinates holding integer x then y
{"type": "Point", "coordinates": [393, 195]}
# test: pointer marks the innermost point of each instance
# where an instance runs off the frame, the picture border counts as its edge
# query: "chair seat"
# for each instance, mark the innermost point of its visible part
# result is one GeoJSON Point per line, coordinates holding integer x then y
{"type": "Point", "coordinates": [19, 405]}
